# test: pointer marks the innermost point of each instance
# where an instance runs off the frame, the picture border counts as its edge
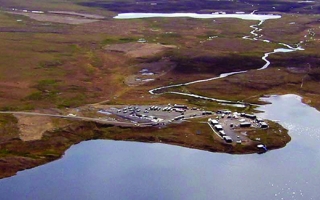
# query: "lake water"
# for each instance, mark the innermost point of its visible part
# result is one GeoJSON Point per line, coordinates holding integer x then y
{"type": "Point", "coordinates": [105, 169]}
{"type": "Point", "coordinates": [197, 16]}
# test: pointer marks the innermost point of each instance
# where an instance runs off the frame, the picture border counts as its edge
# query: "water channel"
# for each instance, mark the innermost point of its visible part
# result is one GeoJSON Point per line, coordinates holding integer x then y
{"type": "Point", "coordinates": [105, 169]}
{"type": "Point", "coordinates": [254, 36]}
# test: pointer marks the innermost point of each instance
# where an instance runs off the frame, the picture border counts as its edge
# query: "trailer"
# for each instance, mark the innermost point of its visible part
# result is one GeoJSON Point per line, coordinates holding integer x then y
{"type": "Point", "coordinates": [218, 127]}
{"type": "Point", "coordinates": [213, 122]}
{"type": "Point", "coordinates": [180, 106]}
{"type": "Point", "coordinates": [222, 133]}
{"type": "Point", "coordinates": [248, 116]}
{"type": "Point", "coordinates": [245, 124]}
{"type": "Point", "coordinates": [263, 125]}
{"type": "Point", "coordinates": [228, 139]}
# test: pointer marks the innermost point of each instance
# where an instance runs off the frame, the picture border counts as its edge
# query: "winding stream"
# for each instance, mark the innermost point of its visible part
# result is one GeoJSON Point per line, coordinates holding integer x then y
{"type": "Point", "coordinates": [104, 169]}
{"type": "Point", "coordinates": [255, 37]}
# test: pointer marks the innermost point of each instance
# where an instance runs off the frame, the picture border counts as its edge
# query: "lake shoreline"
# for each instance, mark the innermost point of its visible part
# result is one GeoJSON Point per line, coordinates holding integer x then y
{"type": "Point", "coordinates": [25, 155]}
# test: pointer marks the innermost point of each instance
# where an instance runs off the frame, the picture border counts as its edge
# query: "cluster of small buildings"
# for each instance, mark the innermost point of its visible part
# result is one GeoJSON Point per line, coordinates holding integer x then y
{"type": "Point", "coordinates": [218, 127]}
{"type": "Point", "coordinates": [169, 108]}
{"type": "Point", "coordinates": [175, 107]}
{"type": "Point", "coordinates": [156, 113]}
{"type": "Point", "coordinates": [259, 121]}
{"type": "Point", "coordinates": [226, 121]}
{"type": "Point", "coordinates": [227, 113]}
{"type": "Point", "coordinates": [131, 109]}
{"type": "Point", "coordinates": [227, 124]}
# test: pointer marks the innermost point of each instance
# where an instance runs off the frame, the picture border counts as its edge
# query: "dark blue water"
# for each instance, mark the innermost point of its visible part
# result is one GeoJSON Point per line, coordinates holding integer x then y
{"type": "Point", "coordinates": [105, 169]}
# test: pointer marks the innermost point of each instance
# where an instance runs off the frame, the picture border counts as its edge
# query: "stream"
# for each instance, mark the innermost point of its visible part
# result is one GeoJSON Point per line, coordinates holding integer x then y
{"type": "Point", "coordinates": [103, 169]}
{"type": "Point", "coordinates": [255, 36]}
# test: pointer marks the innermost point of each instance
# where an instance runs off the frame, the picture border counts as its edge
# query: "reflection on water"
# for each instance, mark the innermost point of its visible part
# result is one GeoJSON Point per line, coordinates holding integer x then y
{"type": "Point", "coordinates": [128, 170]}
{"type": "Point", "coordinates": [251, 16]}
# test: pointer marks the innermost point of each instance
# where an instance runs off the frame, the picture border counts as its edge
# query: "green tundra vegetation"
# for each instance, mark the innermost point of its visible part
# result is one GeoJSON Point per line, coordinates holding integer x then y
{"type": "Point", "coordinates": [54, 66]}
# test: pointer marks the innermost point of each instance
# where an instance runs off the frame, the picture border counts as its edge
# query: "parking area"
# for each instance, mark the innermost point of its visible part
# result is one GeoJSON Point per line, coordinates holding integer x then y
{"type": "Point", "coordinates": [233, 127]}
{"type": "Point", "coordinates": [230, 127]}
{"type": "Point", "coordinates": [155, 114]}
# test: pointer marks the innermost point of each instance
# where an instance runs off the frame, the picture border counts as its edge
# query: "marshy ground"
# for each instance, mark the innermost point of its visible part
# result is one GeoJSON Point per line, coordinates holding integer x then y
{"type": "Point", "coordinates": [50, 65]}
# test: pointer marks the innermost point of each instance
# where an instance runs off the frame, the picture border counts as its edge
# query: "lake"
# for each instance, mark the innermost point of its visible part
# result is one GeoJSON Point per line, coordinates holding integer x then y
{"type": "Point", "coordinates": [244, 16]}
{"type": "Point", "coordinates": [104, 169]}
